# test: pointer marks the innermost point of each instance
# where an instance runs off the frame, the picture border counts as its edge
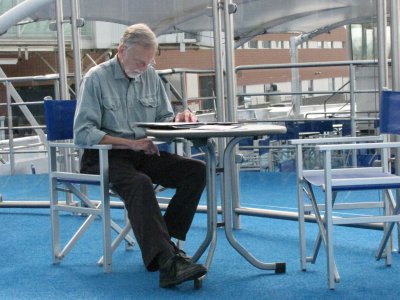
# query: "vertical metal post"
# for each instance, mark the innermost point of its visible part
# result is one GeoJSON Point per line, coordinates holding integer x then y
{"type": "Point", "coordinates": [61, 50]}
{"type": "Point", "coordinates": [219, 76]}
{"type": "Point", "coordinates": [230, 63]}
{"type": "Point", "coordinates": [186, 144]}
{"type": "Point", "coordinates": [231, 101]}
{"type": "Point", "coordinates": [395, 39]}
{"type": "Point", "coordinates": [2, 132]}
{"type": "Point", "coordinates": [10, 129]}
{"type": "Point", "coordinates": [76, 43]}
{"type": "Point", "coordinates": [383, 80]}
{"type": "Point", "coordinates": [395, 47]}
{"type": "Point", "coordinates": [353, 109]}
{"type": "Point", "coordinates": [382, 58]}
{"type": "Point", "coordinates": [352, 99]}
{"type": "Point", "coordinates": [395, 50]}
{"type": "Point", "coordinates": [183, 90]}
{"type": "Point", "coordinates": [296, 86]}
{"type": "Point", "coordinates": [56, 85]}
{"type": "Point", "coordinates": [62, 71]}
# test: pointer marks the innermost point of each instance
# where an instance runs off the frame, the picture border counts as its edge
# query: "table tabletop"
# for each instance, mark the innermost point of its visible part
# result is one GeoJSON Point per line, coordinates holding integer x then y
{"type": "Point", "coordinates": [218, 130]}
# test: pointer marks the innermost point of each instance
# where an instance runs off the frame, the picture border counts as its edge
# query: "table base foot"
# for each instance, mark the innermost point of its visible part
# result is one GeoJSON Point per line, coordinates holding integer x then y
{"type": "Point", "coordinates": [198, 282]}
{"type": "Point", "coordinates": [280, 268]}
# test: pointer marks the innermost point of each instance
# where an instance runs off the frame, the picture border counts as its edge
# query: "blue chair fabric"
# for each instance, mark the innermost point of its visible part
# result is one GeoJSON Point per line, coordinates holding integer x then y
{"type": "Point", "coordinates": [390, 112]}
{"type": "Point", "coordinates": [59, 119]}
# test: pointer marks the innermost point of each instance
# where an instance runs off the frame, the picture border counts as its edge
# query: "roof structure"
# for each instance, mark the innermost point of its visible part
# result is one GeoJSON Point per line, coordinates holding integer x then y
{"type": "Point", "coordinates": [250, 17]}
{"type": "Point", "coordinates": [238, 21]}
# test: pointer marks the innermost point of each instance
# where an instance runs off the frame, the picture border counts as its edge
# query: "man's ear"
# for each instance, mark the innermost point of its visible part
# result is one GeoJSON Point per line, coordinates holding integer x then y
{"type": "Point", "coordinates": [121, 51]}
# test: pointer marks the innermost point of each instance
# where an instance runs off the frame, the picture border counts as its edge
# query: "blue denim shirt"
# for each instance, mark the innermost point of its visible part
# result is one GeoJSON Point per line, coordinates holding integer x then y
{"type": "Point", "coordinates": [110, 103]}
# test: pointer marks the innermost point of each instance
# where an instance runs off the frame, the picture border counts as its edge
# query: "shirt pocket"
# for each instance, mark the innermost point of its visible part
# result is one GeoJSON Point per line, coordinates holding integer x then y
{"type": "Point", "coordinates": [147, 108]}
{"type": "Point", "coordinates": [112, 113]}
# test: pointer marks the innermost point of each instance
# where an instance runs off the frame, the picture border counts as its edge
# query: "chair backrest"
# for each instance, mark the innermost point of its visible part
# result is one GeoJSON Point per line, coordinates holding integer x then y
{"type": "Point", "coordinates": [389, 117]}
{"type": "Point", "coordinates": [59, 116]}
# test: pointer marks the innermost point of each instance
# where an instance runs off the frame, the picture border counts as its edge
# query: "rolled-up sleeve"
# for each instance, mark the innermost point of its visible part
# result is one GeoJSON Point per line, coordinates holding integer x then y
{"type": "Point", "coordinates": [88, 114]}
{"type": "Point", "coordinates": [164, 111]}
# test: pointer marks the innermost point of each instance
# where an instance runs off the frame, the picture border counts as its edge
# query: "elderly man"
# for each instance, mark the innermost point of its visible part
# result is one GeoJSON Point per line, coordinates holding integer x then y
{"type": "Point", "coordinates": [113, 97]}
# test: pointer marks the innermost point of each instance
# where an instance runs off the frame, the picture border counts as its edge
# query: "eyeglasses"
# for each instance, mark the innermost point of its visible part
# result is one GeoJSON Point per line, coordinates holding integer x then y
{"type": "Point", "coordinates": [138, 58]}
{"type": "Point", "coordinates": [142, 64]}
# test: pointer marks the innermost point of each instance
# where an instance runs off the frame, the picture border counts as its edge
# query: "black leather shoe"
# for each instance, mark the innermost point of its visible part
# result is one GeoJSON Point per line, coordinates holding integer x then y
{"type": "Point", "coordinates": [179, 251]}
{"type": "Point", "coordinates": [178, 269]}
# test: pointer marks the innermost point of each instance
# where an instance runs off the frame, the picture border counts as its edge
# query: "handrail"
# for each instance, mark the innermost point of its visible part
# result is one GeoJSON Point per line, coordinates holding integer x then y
{"type": "Point", "coordinates": [32, 78]}
{"type": "Point", "coordinates": [306, 65]}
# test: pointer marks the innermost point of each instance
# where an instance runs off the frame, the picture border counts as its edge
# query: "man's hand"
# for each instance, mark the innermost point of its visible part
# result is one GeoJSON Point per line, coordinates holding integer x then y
{"type": "Point", "coordinates": [146, 145]}
{"type": "Point", "coordinates": [185, 116]}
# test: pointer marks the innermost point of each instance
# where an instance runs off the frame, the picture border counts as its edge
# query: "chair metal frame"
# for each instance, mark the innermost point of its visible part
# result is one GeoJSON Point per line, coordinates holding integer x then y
{"type": "Point", "coordinates": [333, 180]}
{"type": "Point", "coordinates": [64, 180]}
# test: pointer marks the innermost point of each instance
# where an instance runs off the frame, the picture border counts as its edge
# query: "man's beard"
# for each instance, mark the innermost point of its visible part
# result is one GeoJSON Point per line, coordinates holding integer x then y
{"type": "Point", "coordinates": [133, 75]}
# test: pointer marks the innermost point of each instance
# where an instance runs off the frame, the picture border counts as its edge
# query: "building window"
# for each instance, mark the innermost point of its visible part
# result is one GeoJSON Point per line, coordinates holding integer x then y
{"type": "Point", "coordinates": [253, 44]}
{"type": "Point", "coordinates": [311, 87]}
{"type": "Point", "coordinates": [331, 83]}
{"type": "Point", "coordinates": [190, 36]}
{"type": "Point", "coordinates": [285, 44]}
{"type": "Point", "coordinates": [266, 44]}
{"type": "Point", "coordinates": [338, 44]}
{"type": "Point", "coordinates": [207, 89]}
{"type": "Point", "coordinates": [312, 44]}
{"type": "Point", "coordinates": [305, 45]}
{"type": "Point", "coordinates": [277, 45]}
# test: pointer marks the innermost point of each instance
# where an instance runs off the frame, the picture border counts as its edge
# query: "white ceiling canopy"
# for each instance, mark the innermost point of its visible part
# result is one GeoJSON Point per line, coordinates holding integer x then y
{"type": "Point", "coordinates": [252, 17]}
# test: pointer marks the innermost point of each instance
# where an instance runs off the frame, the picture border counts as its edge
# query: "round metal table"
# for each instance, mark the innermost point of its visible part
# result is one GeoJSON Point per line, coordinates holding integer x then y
{"type": "Point", "coordinates": [202, 136]}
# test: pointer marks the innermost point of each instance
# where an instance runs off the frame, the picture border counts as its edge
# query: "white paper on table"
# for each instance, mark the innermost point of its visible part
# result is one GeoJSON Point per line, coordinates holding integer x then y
{"type": "Point", "coordinates": [218, 127]}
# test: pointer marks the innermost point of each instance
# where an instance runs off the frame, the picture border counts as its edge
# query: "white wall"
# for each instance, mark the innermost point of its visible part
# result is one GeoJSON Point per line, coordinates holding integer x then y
{"type": "Point", "coordinates": [256, 89]}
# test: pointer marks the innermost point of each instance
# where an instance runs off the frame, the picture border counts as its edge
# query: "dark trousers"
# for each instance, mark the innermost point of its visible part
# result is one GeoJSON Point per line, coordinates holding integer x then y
{"type": "Point", "coordinates": [132, 175]}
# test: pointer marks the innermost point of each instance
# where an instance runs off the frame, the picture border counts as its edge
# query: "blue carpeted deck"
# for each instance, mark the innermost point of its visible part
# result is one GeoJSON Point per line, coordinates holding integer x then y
{"type": "Point", "coordinates": [27, 272]}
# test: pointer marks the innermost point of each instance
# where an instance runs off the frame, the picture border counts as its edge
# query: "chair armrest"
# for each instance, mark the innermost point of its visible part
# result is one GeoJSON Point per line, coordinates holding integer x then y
{"type": "Point", "coordinates": [74, 146]}
{"type": "Point", "coordinates": [60, 147]}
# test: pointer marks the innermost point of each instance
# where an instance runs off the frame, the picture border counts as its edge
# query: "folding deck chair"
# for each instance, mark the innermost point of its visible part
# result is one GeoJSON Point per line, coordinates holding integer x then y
{"type": "Point", "coordinates": [59, 123]}
{"type": "Point", "coordinates": [333, 179]}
